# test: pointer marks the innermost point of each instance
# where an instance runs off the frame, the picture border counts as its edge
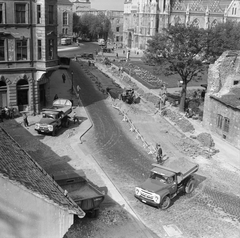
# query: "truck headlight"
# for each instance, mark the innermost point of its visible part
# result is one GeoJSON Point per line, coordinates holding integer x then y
{"type": "Point", "coordinates": [156, 198]}
{"type": "Point", "coordinates": [37, 125]}
{"type": "Point", "coordinates": [50, 127]}
{"type": "Point", "coordinates": [138, 191]}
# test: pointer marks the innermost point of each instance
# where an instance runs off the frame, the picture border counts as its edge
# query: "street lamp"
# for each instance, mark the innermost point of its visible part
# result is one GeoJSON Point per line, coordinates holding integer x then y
{"type": "Point", "coordinates": [72, 80]}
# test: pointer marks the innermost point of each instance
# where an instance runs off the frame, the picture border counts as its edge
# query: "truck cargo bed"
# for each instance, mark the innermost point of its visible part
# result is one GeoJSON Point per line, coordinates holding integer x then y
{"type": "Point", "coordinates": [180, 165]}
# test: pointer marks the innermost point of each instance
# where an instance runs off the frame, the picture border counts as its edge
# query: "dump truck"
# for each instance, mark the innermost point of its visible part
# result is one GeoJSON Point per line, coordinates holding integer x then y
{"type": "Point", "coordinates": [166, 181]}
{"type": "Point", "coordinates": [55, 117]}
{"type": "Point", "coordinates": [81, 190]}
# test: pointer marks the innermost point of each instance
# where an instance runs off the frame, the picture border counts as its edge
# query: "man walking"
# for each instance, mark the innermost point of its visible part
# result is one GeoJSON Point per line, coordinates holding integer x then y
{"type": "Point", "coordinates": [63, 78]}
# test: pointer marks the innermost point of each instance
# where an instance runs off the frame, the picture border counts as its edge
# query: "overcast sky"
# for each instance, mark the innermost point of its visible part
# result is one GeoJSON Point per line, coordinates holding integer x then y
{"type": "Point", "coordinates": [107, 4]}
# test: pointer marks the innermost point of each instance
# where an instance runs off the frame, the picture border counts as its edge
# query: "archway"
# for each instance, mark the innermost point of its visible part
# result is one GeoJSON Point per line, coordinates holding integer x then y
{"type": "Point", "coordinates": [130, 40]}
{"type": "Point", "coordinates": [3, 94]}
{"type": "Point", "coordinates": [22, 94]}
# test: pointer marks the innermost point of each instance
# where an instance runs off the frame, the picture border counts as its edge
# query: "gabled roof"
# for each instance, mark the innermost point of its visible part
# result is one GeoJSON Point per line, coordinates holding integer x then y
{"type": "Point", "coordinates": [64, 2]}
{"type": "Point", "coordinates": [18, 167]}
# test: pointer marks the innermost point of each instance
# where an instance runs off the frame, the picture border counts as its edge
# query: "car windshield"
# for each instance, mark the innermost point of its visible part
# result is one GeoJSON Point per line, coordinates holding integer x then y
{"type": "Point", "coordinates": [161, 178]}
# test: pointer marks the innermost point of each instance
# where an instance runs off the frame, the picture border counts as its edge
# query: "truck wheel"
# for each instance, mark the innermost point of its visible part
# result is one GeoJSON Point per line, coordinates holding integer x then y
{"type": "Point", "coordinates": [54, 133]}
{"type": "Point", "coordinates": [165, 203]}
{"type": "Point", "coordinates": [190, 186]}
{"type": "Point", "coordinates": [67, 123]}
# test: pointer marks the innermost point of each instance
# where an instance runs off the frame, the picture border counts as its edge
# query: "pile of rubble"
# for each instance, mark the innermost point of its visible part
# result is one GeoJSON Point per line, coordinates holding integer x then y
{"type": "Point", "coordinates": [179, 120]}
{"type": "Point", "coordinates": [206, 140]}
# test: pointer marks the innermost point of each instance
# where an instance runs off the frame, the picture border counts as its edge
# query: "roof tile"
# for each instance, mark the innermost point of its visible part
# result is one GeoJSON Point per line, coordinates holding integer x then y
{"type": "Point", "coordinates": [19, 167]}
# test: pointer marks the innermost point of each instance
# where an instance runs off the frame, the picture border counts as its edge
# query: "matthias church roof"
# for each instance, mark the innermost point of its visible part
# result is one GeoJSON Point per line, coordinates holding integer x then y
{"type": "Point", "coordinates": [214, 6]}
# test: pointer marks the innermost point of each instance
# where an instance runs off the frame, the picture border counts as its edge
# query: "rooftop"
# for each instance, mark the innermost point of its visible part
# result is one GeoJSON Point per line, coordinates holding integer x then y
{"type": "Point", "coordinates": [17, 166]}
{"type": "Point", "coordinates": [231, 99]}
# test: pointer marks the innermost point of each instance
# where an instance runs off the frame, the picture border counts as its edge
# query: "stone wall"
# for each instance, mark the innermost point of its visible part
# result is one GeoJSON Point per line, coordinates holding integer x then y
{"type": "Point", "coordinates": [222, 77]}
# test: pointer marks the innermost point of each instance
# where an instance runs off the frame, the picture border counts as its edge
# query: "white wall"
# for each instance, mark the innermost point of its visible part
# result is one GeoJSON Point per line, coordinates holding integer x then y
{"type": "Point", "coordinates": [24, 215]}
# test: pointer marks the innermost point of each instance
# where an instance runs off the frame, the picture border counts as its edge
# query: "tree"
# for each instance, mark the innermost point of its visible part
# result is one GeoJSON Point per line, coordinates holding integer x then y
{"type": "Point", "coordinates": [222, 37]}
{"type": "Point", "coordinates": [179, 50]}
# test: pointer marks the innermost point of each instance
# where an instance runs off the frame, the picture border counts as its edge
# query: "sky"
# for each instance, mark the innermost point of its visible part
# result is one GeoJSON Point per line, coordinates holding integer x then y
{"type": "Point", "coordinates": [107, 4]}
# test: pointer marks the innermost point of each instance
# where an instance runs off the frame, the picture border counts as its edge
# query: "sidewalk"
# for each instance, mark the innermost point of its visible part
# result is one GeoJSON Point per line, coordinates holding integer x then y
{"type": "Point", "coordinates": [228, 155]}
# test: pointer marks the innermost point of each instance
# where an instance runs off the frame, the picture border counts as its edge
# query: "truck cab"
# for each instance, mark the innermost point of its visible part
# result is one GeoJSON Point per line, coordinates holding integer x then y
{"type": "Point", "coordinates": [55, 117]}
{"type": "Point", "coordinates": [164, 183]}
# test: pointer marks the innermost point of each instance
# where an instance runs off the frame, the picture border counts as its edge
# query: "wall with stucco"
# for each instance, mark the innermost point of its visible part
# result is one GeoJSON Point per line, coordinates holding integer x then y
{"type": "Point", "coordinates": [25, 215]}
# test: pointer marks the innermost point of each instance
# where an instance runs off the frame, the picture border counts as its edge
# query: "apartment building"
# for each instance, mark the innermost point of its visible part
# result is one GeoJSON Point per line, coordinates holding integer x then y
{"type": "Point", "coordinates": [28, 52]}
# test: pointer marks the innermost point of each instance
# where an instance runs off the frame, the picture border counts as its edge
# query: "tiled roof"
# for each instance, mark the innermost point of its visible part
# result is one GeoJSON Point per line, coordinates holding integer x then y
{"type": "Point", "coordinates": [17, 166]}
{"type": "Point", "coordinates": [64, 2]}
{"type": "Point", "coordinates": [231, 99]}
{"type": "Point", "coordinates": [201, 5]}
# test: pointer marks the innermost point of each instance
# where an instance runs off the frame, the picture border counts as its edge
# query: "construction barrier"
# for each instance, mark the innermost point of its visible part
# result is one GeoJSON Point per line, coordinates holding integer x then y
{"type": "Point", "coordinates": [150, 148]}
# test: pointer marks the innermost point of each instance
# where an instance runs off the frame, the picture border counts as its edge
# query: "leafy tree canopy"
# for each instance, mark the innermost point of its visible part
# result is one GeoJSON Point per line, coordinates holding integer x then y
{"type": "Point", "coordinates": [184, 50]}
{"type": "Point", "coordinates": [92, 26]}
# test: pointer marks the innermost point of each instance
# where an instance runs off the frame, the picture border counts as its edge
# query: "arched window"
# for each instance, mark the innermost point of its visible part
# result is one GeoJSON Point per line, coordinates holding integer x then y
{"type": "Point", "coordinates": [177, 20]}
{"type": "Point", "coordinates": [214, 23]}
{"type": "Point", "coordinates": [65, 18]}
{"type": "Point", "coordinates": [195, 22]}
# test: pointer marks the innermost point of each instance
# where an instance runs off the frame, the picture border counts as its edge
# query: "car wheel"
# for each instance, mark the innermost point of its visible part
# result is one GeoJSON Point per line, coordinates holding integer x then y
{"type": "Point", "coordinates": [165, 203]}
{"type": "Point", "coordinates": [190, 186]}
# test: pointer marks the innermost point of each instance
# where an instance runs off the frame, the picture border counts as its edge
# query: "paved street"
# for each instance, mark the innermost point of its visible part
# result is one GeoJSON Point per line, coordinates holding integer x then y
{"type": "Point", "coordinates": [115, 161]}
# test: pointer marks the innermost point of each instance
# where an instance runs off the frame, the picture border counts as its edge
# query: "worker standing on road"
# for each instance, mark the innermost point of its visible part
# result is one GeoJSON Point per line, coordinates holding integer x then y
{"type": "Point", "coordinates": [159, 154]}
{"type": "Point", "coordinates": [25, 120]}
{"type": "Point", "coordinates": [63, 78]}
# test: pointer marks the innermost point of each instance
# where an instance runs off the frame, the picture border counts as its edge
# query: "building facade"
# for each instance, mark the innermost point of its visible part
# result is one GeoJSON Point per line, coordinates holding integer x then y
{"type": "Point", "coordinates": [65, 20]}
{"type": "Point", "coordinates": [222, 100]}
{"type": "Point", "coordinates": [144, 18]}
{"type": "Point", "coordinates": [81, 6]}
{"type": "Point", "coordinates": [28, 52]}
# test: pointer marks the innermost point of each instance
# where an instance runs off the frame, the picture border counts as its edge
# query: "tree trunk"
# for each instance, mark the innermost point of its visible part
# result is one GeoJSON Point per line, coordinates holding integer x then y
{"type": "Point", "coordinates": [183, 98]}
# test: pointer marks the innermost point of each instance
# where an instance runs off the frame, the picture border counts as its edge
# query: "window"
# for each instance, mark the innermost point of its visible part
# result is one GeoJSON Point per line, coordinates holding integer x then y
{"type": "Point", "coordinates": [234, 11]}
{"type": "Point", "coordinates": [66, 31]}
{"type": "Point", "coordinates": [50, 52]}
{"type": "Point", "coordinates": [1, 13]}
{"type": "Point", "coordinates": [117, 29]}
{"type": "Point", "coordinates": [63, 31]}
{"type": "Point", "coordinates": [39, 46]}
{"type": "Point", "coordinates": [226, 124]}
{"type": "Point", "coordinates": [219, 121]}
{"type": "Point", "coordinates": [117, 38]}
{"type": "Point", "coordinates": [50, 14]}
{"type": "Point", "coordinates": [21, 49]}
{"type": "Point", "coordinates": [21, 13]}
{"type": "Point", "coordinates": [65, 18]}
{"type": "Point", "coordinates": [39, 14]}
{"type": "Point", "coordinates": [2, 52]}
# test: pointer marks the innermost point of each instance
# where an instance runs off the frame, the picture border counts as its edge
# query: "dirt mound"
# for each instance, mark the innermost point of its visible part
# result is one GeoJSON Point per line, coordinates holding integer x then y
{"type": "Point", "coordinates": [179, 120]}
{"type": "Point", "coordinates": [206, 140]}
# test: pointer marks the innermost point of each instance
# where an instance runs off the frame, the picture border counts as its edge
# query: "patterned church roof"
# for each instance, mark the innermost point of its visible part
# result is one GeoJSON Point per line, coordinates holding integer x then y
{"type": "Point", "coordinates": [18, 167]}
{"type": "Point", "coordinates": [217, 6]}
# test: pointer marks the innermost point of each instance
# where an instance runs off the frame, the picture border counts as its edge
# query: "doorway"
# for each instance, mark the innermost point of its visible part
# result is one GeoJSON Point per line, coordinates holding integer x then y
{"type": "Point", "coordinates": [22, 95]}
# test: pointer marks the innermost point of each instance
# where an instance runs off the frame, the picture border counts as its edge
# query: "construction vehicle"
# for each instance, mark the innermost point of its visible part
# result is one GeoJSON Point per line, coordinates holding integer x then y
{"type": "Point", "coordinates": [166, 181]}
{"type": "Point", "coordinates": [54, 118]}
{"type": "Point", "coordinates": [128, 96]}
{"type": "Point", "coordinates": [80, 189]}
